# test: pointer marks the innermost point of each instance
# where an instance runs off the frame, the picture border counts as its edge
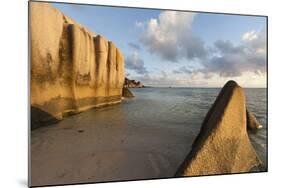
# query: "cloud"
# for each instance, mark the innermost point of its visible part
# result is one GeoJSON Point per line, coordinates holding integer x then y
{"type": "Point", "coordinates": [164, 74]}
{"type": "Point", "coordinates": [249, 36]}
{"type": "Point", "coordinates": [226, 47]}
{"type": "Point", "coordinates": [134, 62]}
{"type": "Point", "coordinates": [232, 60]}
{"type": "Point", "coordinates": [244, 62]}
{"type": "Point", "coordinates": [255, 40]}
{"type": "Point", "coordinates": [139, 24]}
{"type": "Point", "coordinates": [182, 69]}
{"type": "Point", "coordinates": [170, 36]}
{"type": "Point", "coordinates": [157, 79]}
{"type": "Point", "coordinates": [134, 46]}
{"type": "Point", "coordinates": [166, 79]}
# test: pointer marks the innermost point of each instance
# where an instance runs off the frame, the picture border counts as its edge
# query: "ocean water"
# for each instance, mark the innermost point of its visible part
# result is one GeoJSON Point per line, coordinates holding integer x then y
{"type": "Point", "coordinates": [185, 108]}
{"type": "Point", "coordinates": [144, 137]}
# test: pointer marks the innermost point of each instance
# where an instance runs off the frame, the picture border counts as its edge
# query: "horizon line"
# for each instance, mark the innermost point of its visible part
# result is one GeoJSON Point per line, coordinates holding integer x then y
{"type": "Point", "coordinates": [203, 87]}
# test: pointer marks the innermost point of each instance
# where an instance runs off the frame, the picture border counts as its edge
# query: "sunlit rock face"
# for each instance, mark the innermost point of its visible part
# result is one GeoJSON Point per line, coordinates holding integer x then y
{"type": "Point", "coordinates": [72, 68]}
{"type": "Point", "coordinates": [223, 145]}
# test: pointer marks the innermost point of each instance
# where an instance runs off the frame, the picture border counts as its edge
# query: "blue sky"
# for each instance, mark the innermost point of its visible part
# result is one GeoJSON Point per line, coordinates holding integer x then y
{"type": "Point", "coordinates": [183, 49]}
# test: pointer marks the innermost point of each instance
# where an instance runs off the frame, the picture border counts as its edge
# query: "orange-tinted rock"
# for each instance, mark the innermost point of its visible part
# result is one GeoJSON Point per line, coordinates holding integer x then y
{"type": "Point", "coordinates": [112, 64]}
{"type": "Point", "coordinates": [102, 54]}
{"type": "Point", "coordinates": [120, 68]}
{"type": "Point", "coordinates": [70, 67]}
{"type": "Point", "coordinates": [223, 145]}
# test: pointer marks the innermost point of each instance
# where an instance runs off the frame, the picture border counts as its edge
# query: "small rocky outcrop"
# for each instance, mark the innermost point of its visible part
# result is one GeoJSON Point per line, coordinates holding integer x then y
{"type": "Point", "coordinates": [72, 68]}
{"type": "Point", "coordinates": [127, 93]}
{"type": "Point", "coordinates": [252, 122]}
{"type": "Point", "coordinates": [132, 84]}
{"type": "Point", "coordinates": [223, 145]}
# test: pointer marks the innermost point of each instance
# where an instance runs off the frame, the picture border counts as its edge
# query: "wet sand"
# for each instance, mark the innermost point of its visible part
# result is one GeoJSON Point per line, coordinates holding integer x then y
{"type": "Point", "coordinates": [145, 137]}
{"type": "Point", "coordinates": [86, 148]}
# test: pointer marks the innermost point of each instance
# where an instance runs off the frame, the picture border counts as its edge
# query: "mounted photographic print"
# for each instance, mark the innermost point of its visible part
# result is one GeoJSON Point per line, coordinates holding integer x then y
{"type": "Point", "coordinates": [123, 93]}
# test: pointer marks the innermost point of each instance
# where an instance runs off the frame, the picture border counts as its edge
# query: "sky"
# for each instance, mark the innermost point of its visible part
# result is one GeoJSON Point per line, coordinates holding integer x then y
{"type": "Point", "coordinates": [181, 49]}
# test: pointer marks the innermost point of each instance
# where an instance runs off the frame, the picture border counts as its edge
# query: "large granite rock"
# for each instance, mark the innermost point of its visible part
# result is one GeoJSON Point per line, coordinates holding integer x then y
{"type": "Point", "coordinates": [223, 145]}
{"type": "Point", "coordinates": [72, 68]}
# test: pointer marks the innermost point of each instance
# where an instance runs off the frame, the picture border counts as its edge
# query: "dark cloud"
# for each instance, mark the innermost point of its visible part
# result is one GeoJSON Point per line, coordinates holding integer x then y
{"type": "Point", "coordinates": [226, 47]}
{"type": "Point", "coordinates": [193, 47]}
{"type": "Point", "coordinates": [134, 46]}
{"type": "Point", "coordinates": [134, 62]}
{"type": "Point", "coordinates": [232, 60]}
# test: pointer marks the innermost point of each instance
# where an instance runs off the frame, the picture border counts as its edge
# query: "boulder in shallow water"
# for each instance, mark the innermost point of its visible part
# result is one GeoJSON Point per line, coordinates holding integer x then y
{"type": "Point", "coordinates": [223, 145]}
{"type": "Point", "coordinates": [252, 122]}
{"type": "Point", "coordinates": [127, 93]}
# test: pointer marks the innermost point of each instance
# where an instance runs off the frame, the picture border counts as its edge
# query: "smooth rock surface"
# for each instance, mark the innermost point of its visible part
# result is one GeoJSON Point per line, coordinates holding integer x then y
{"type": "Point", "coordinates": [223, 145]}
{"type": "Point", "coordinates": [72, 68]}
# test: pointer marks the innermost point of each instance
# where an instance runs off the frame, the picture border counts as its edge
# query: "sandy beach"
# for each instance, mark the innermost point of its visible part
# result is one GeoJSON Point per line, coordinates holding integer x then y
{"type": "Point", "coordinates": [86, 151]}
{"type": "Point", "coordinates": [128, 141]}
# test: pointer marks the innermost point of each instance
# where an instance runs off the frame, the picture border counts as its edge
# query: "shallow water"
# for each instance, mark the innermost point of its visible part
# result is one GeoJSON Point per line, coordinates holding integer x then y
{"type": "Point", "coordinates": [185, 108]}
{"type": "Point", "coordinates": [257, 103]}
{"type": "Point", "coordinates": [144, 137]}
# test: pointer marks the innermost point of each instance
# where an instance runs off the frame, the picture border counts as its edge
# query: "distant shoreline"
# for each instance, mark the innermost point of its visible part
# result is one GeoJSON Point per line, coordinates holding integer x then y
{"type": "Point", "coordinates": [167, 87]}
